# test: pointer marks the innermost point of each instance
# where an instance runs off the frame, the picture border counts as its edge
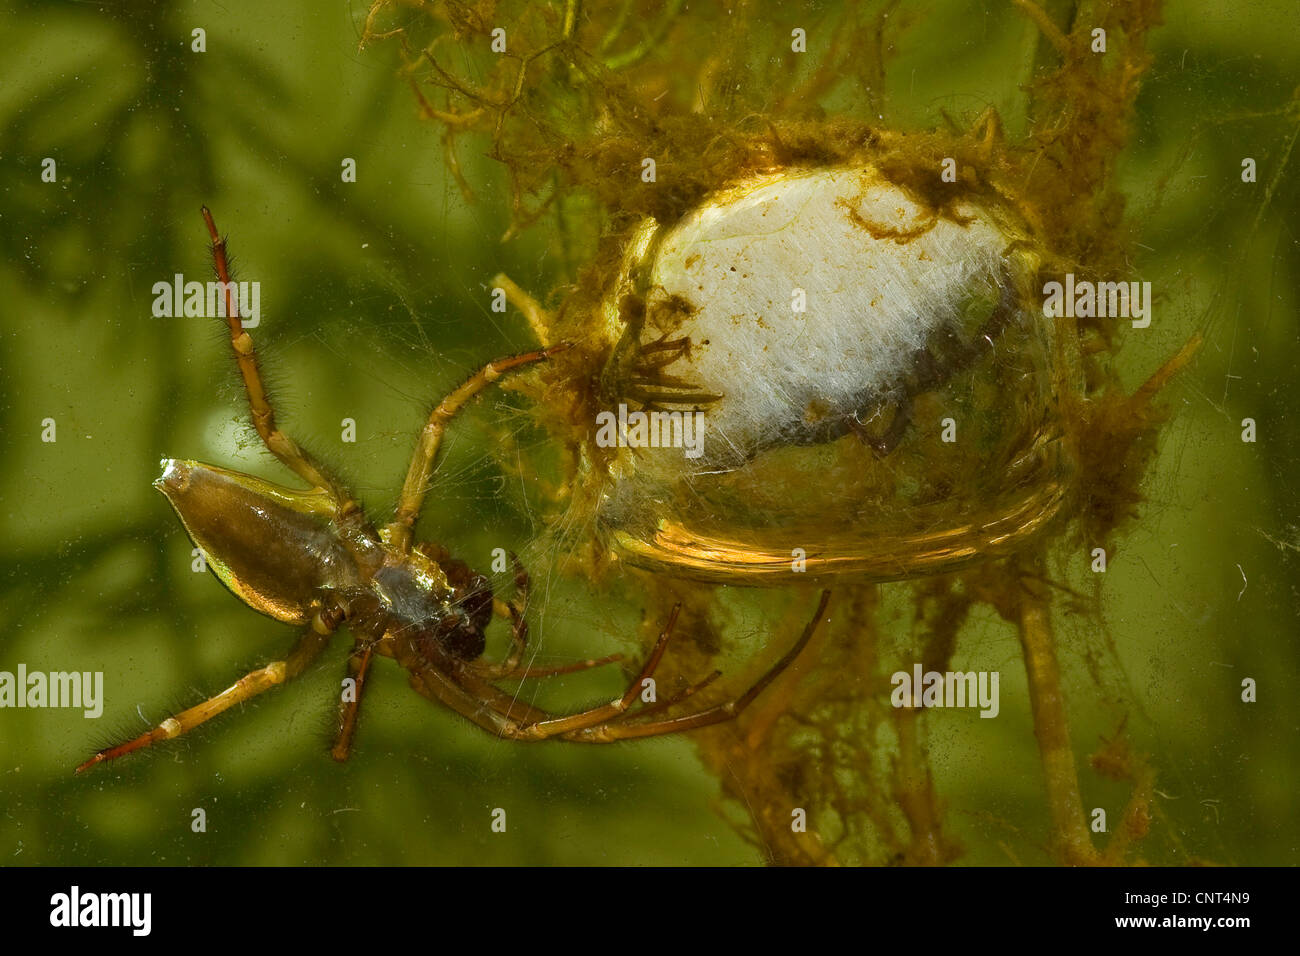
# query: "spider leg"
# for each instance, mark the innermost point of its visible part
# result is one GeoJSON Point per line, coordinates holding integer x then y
{"type": "Point", "coordinates": [681, 346]}
{"type": "Point", "coordinates": [485, 705]}
{"type": "Point", "coordinates": [515, 610]}
{"type": "Point", "coordinates": [658, 396]}
{"type": "Point", "coordinates": [608, 732]}
{"type": "Point", "coordinates": [518, 642]}
{"type": "Point", "coordinates": [604, 724]}
{"type": "Point", "coordinates": [250, 685]}
{"type": "Point", "coordinates": [518, 608]}
{"type": "Point", "coordinates": [494, 710]}
{"type": "Point", "coordinates": [676, 699]}
{"type": "Point", "coordinates": [416, 485]}
{"type": "Point", "coordinates": [350, 709]}
{"type": "Point", "coordinates": [554, 670]}
{"type": "Point", "coordinates": [277, 442]}
{"type": "Point", "coordinates": [504, 670]}
{"type": "Point", "coordinates": [555, 726]}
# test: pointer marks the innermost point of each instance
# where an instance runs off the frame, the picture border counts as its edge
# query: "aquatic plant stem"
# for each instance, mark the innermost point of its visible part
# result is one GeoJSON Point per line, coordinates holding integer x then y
{"type": "Point", "coordinates": [916, 796]}
{"type": "Point", "coordinates": [1051, 726]}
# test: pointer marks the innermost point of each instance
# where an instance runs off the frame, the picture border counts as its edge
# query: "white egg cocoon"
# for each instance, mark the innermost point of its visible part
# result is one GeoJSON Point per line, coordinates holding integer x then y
{"type": "Point", "coordinates": [812, 293]}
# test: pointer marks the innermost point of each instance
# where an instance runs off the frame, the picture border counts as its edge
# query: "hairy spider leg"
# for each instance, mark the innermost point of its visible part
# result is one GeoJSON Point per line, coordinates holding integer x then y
{"type": "Point", "coordinates": [518, 610]}
{"type": "Point", "coordinates": [493, 710]}
{"type": "Point", "coordinates": [555, 670]}
{"type": "Point", "coordinates": [712, 715]}
{"type": "Point", "coordinates": [277, 442]}
{"type": "Point", "coordinates": [350, 706]}
{"type": "Point", "coordinates": [416, 486]}
{"type": "Point", "coordinates": [676, 699]}
{"type": "Point", "coordinates": [512, 666]}
{"type": "Point", "coordinates": [604, 724]}
{"type": "Point", "coordinates": [250, 685]}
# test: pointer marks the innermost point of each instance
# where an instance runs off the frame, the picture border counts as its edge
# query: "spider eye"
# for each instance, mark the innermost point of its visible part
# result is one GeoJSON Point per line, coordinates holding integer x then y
{"type": "Point", "coordinates": [828, 371]}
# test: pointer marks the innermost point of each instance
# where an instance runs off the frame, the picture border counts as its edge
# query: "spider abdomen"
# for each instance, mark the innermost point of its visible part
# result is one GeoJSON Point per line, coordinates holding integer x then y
{"type": "Point", "coordinates": [275, 548]}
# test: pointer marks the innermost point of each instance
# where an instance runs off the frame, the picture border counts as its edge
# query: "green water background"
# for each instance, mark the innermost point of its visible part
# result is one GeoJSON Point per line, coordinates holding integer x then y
{"type": "Point", "coordinates": [375, 300]}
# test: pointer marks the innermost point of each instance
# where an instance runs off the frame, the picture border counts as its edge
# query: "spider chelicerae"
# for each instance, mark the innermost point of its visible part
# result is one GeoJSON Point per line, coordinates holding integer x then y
{"type": "Point", "coordinates": [314, 559]}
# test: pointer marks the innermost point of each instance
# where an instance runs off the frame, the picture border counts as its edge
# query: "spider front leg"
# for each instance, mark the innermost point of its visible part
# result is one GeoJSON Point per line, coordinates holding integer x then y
{"type": "Point", "coordinates": [459, 687]}
{"type": "Point", "coordinates": [512, 666]}
{"type": "Point", "coordinates": [277, 442]}
{"type": "Point", "coordinates": [611, 731]}
{"type": "Point", "coordinates": [610, 722]}
{"type": "Point", "coordinates": [247, 687]}
{"type": "Point", "coordinates": [517, 610]}
{"type": "Point", "coordinates": [416, 486]}
{"type": "Point", "coordinates": [558, 726]}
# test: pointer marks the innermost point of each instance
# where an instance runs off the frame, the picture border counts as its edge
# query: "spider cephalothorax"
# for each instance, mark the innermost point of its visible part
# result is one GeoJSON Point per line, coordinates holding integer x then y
{"type": "Point", "coordinates": [442, 607]}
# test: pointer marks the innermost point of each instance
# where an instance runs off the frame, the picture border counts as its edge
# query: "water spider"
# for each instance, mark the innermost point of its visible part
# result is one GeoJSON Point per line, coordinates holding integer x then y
{"type": "Point", "coordinates": [314, 559]}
